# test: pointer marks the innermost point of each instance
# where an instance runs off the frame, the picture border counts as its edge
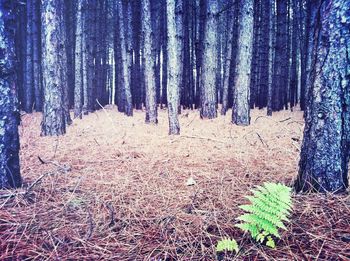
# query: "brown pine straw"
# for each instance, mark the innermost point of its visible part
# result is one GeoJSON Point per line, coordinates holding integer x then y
{"type": "Point", "coordinates": [115, 188]}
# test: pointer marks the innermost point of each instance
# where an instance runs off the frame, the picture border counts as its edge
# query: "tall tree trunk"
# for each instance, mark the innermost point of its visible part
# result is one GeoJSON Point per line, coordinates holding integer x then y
{"type": "Point", "coordinates": [28, 73]}
{"type": "Point", "coordinates": [125, 63]}
{"type": "Point", "coordinates": [241, 106]}
{"type": "Point", "coordinates": [230, 58]}
{"type": "Point", "coordinates": [85, 54]}
{"type": "Point", "coordinates": [36, 56]}
{"type": "Point", "coordinates": [254, 76]}
{"type": "Point", "coordinates": [9, 115]}
{"type": "Point", "coordinates": [164, 55]}
{"type": "Point", "coordinates": [62, 52]}
{"type": "Point", "coordinates": [325, 150]}
{"type": "Point", "coordinates": [271, 56]}
{"type": "Point", "coordinates": [70, 29]}
{"type": "Point", "coordinates": [78, 77]}
{"type": "Point", "coordinates": [173, 71]}
{"type": "Point", "coordinates": [264, 52]}
{"type": "Point", "coordinates": [54, 116]}
{"type": "Point", "coordinates": [150, 81]}
{"type": "Point", "coordinates": [293, 71]}
{"type": "Point", "coordinates": [280, 59]}
{"type": "Point", "coordinates": [208, 77]}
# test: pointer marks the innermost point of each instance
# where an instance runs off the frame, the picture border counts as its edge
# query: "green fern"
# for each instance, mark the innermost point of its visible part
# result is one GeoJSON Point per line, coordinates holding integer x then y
{"type": "Point", "coordinates": [227, 245]}
{"type": "Point", "coordinates": [270, 206]}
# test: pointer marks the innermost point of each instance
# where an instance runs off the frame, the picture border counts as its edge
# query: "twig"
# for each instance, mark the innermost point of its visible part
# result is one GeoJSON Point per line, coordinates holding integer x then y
{"type": "Point", "coordinates": [264, 143]}
{"type": "Point", "coordinates": [202, 138]}
{"type": "Point", "coordinates": [285, 119]}
{"type": "Point", "coordinates": [63, 168]}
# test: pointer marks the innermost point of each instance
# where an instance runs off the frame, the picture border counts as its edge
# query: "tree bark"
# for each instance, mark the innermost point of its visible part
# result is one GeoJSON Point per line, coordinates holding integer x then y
{"type": "Point", "coordinates": [54, 116]}
{"type": "Point", "coordinates": [78, 77]}
{"type": "Point", "coordinates": [264, 51]}
{"type": "Point", "coordinates": [241, 105]}
{"type": "Point", "coordinates": [325, 149]}
{"type": "Point", "coordinates": [280, 59]}
{"type": "Point", "coordinates": [28, 73]}
{"type": "Point", "coordinates": [9, 115]}
{"type": "Point", "coordinates": [125, 62]}
{"type": "Point", "coordinates": [36, 56]}
{"type": "Point", "coordinates": [150, 81]}
{"type": "Point", "coordinates": [173, 71]}
{"type": "Point", "coordinates": [208, 76]}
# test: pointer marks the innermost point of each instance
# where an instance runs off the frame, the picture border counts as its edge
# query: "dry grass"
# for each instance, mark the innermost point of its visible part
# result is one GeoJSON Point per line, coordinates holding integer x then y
{"type": "Point", "coordinates": [115, 188]}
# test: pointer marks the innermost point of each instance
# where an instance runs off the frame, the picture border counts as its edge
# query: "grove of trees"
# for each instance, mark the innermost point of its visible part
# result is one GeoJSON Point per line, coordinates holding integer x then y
{"type": "Point", "coordinates": [63, 55]}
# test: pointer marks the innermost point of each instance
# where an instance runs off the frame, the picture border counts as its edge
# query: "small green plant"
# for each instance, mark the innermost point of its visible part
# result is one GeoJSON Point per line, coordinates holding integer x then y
{"type": "Point", "coordinates": [227, 244]}
{"type": "Point", "coordinates": [270, 206]}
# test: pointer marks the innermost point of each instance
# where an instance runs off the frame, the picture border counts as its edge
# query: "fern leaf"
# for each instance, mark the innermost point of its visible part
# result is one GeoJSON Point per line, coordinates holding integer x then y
{"type": "Point", "coordinates": [227, 245]}
{"type": "Point", "coordinates": [270, 206]}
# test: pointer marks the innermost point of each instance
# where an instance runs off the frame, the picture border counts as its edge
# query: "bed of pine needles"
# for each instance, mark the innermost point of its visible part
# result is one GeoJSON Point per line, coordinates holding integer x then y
{"type": "Point", "coordinates": [115, 188]}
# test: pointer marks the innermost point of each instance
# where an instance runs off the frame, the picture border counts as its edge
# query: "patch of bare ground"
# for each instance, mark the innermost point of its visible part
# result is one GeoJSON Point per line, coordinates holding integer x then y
{"type": "Point", "coordinates": [114, 188]}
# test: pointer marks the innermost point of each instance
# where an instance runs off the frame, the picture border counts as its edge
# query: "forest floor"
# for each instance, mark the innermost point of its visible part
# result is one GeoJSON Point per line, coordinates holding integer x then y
{"type": "Point", "coordinates": [115, 188]}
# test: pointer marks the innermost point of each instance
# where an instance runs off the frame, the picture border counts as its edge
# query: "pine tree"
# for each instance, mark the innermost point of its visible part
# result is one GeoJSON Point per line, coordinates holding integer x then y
{"type": "Point", "coordinates": [241, 105]}
{"type": "Point", "coordinates": [325, 151]}
{"type": "Point", "coordinates": [9, 115]}
{"type": "Point", "coordinates": [173, 71]}
{"type": "Point", "coordinates": [54, 113]}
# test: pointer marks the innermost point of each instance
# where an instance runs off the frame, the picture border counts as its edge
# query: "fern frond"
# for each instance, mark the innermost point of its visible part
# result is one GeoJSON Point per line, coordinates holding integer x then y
{"type": "Point", "coordinates": [269, 208]}
{"type": "Point", "coordinates": [227, 244]}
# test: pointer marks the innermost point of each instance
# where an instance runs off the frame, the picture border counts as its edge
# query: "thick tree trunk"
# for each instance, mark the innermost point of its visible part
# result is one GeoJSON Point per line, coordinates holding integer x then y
{"type": "Point", "coordinates": [325, 150]}
{"type": "Point", "coordinates": [54, 116]}
{"type": "Point", "coordinates": [78, 77]}
{"type": "Point", "coordinates": [208, 76]}
{"type": "Point", "coordinates": [9, 115]}
{"type": "Point", "coordinates": [241, 106]}
{"type": "Point", "coordinates": [150, 81]}
{"type": "Point", "coordinates": [173, 71]}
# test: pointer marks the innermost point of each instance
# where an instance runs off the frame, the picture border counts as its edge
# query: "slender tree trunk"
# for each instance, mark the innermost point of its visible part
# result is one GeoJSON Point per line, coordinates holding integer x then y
{"type": "Point", "coordinates": [280, 59]}
{"type": "Point", "coordinates": [70, 29]}
{"type": "Point", "coordinates": [271, 57]}
{"type": "Point", "coordinates": [254, 77]}
{"type": "Point", "coordinates": [150, 81]}
{"type": "Point", "coordinates": [85, 52]}
{"type": "Point", "coordinates": [36, 56]}
{"type": "Point", "coordinates": [54, 116]}
{"type": "Point", "coordinates": [126, 73]}
{"type": "Point", "coordinates": [325, 149]}
{"type": "Point", "coordinates": [164, 55]}
{"type": "Point", "coordinates": [208, 77]}
{"type": "Point", "coordinates": [9, 115]}
{"type": "Point", "coordinates": [62, 52]}
{"type": "Point", "coordinates": [28, 73]}
{"type": "Point", "coordinates": [78, 78]}
{"type": "Point", "coordinates": [264, 52]}
{"type": "Point", "coordinates": [173, 72]}
{"type": "Point", "coordinates": [241, 106]}
{"type": "Point", "coordinates": [293, 72]}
